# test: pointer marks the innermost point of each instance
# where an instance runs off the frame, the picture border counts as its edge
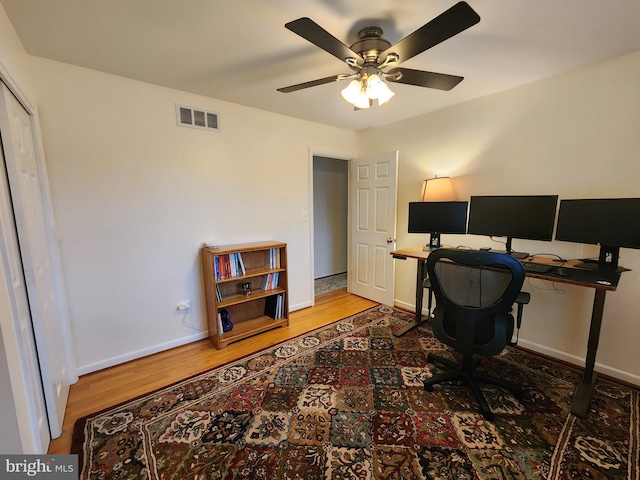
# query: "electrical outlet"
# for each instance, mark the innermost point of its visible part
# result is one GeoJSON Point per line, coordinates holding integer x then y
{"type": "Point", "coordinates": [184, 307]}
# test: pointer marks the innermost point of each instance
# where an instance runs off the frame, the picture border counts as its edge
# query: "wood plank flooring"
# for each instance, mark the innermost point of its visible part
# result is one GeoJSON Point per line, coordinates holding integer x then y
{"type": "Point", "coordinates": [99, 390]}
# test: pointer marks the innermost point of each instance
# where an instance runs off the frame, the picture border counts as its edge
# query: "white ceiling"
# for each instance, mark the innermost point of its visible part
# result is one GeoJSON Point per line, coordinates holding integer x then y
{"type": "Point", "coordinates": [240, 51]}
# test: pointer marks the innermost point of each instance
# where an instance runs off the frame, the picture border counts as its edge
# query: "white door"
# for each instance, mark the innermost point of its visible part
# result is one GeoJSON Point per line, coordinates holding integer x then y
{"type": "Point", "coordinates": [26, 185]}
{"type": "Point", "coordinates": [374, 186]}
{"type": "Point", "coordinates": [17, 332]}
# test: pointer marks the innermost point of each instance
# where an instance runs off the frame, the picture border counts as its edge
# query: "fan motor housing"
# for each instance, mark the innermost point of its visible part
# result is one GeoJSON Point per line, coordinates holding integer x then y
{"type": "Point", "coordinates": [370, 43]}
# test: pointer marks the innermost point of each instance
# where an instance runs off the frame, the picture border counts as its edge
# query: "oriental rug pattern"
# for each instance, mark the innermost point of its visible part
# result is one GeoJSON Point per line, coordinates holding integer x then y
{"type": "Point", "coordinates": [347, 402]}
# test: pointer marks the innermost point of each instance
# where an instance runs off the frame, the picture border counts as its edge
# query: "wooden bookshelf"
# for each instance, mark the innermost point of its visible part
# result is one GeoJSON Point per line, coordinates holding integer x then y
{"type": "Point", "coordinates": [261, 264]}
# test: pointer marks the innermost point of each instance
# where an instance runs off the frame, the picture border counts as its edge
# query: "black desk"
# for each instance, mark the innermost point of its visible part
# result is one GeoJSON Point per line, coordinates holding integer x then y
{"type": "Point", "coordinates": [600, 282]}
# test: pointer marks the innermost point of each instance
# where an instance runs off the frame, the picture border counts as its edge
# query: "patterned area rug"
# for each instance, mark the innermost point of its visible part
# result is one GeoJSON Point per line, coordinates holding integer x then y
{"type": "Point", "coordinates": [347, 402]}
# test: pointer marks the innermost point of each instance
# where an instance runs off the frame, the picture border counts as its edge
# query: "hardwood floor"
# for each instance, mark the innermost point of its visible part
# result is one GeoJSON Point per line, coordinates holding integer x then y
{"type": "Point", "coordinates": [99, 390]}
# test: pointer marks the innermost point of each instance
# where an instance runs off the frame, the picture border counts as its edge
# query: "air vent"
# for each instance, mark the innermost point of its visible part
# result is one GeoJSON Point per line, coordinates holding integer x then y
{"type": "Point", "coordinates": [195, 118]}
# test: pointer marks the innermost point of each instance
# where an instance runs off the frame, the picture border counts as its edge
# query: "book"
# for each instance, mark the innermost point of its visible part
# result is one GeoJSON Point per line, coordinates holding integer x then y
{"type": "Point", "coordinates": [280, 306]}
{"type": "Point", "coordinates": [273, 258]}
{"type": "Point", "coordinates": [274, 306]}
{"type": "Point", "coordinates": [270, 307]}
{"type": "Point", "coordinates": [241, 264]}
{"type": "Point", "coordinates": [227, 262]}
{"type": "Point", "coordinates": [220, 331]}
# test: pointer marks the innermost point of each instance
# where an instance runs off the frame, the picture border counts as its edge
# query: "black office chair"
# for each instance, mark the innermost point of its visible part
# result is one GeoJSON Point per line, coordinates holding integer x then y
{"type": "Point", "coordinates": [475, 292]}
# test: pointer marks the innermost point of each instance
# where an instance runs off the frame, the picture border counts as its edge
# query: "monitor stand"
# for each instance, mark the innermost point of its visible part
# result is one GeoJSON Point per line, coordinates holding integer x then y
{"type": "Point", "coordinates": [607, 261]}
{"type": "Point", "coordinates": [519, 255]}
{"type": "Point", "coordinates": [434, 242]}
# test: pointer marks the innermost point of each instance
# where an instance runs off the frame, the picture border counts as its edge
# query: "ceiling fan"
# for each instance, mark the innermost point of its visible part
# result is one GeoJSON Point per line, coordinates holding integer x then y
{"type": "Point", "coordinates": [373, 60]}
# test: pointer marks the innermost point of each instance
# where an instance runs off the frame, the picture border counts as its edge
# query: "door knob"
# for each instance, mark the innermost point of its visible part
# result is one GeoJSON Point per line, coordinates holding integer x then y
{"type": "Point", "coordinates": [390, 240]}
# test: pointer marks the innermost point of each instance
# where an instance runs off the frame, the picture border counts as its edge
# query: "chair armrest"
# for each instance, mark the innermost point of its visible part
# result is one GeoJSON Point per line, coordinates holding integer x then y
{"type": "Point", "coordinates": [523, 298]}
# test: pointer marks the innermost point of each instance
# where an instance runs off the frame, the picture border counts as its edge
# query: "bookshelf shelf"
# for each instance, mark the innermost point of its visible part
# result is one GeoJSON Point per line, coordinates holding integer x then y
{"type": "Point", "coordinates": [263, 265]}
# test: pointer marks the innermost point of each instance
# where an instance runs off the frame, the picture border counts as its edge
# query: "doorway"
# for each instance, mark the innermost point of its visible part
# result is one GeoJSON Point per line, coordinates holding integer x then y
{"type": "Point", "coordinates": [330, 223]}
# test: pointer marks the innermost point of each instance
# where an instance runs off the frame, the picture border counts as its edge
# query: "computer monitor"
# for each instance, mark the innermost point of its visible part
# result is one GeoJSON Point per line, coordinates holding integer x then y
{"type": "Point", "coordinates": [529, 217]}
{"type": "Point", "coordinates": [436, 218]}
{"type": "Point", "coordinates": [612, 223]}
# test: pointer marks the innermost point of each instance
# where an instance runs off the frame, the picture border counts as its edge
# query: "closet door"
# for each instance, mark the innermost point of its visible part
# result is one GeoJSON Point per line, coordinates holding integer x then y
{"type": "Point", "coordinates": [35, 240]}
{"type": "Point", "coordinates": [17, 333]}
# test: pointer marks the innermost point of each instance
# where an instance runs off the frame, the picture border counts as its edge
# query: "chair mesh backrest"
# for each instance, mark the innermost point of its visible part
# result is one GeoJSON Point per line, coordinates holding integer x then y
{"type": "Point", "coordinates": [474, 294]}
{"type": "Point", "coordinates": [472, 286]}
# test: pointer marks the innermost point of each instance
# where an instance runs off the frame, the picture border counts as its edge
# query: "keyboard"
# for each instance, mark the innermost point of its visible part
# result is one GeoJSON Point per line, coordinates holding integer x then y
{"type": "Point", "coordinates": [537, 267]}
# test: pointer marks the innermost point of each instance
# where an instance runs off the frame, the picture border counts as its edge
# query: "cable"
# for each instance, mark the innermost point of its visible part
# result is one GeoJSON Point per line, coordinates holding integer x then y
{"type": "Point", "coordinates": [497, 241]}
{"type": "Point", "coordinates": [184, 323]}
{"type": "Point", "coordinates": [554, 288]}
{"type": "Point", "coordinates": [557, 259]}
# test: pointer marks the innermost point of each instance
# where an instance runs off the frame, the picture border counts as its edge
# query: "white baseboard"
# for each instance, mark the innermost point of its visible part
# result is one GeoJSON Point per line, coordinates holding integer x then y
{"type": "Point", "coordinates": [410, 306]}
{"type": "Point", "coordinates": [579, 362]}
{"type": "Point", "coordinates": [557, 354]}
{"type": "Point", "coordinates": [299, 306]}
{"type": "Point", "coordinates": [110, 362]}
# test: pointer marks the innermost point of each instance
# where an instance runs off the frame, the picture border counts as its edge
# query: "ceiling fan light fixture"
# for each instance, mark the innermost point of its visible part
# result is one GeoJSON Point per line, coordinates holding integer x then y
{"type": "Point", "coordinates": [361, 91]}
{"type": "Point", "coordinates": [355, 94]}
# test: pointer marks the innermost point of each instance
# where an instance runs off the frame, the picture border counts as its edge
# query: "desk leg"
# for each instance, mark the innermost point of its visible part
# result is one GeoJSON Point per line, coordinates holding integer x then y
{"type": "Point", "coordinates": [420, 276]}
{"type": "Point", "coordinates": [580, 404]}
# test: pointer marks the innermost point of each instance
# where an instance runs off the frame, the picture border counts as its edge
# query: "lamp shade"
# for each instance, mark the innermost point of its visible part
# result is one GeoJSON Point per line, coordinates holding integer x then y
{"type": "Point", "coordinates": [438, 189]}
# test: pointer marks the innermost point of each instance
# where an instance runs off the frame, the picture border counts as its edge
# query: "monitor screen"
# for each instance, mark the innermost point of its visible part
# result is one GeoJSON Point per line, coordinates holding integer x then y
{"type": "Point", "coordinates": [438, 217]}
{"type": "Point", "coordinates": [612, 222]}
{"type": "Point", "coordinates": [529, 217]}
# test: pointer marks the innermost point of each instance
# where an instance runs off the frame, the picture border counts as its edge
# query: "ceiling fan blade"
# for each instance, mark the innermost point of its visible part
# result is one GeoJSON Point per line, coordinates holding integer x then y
{"type": "Point", "coordinates": [453, 21]}
{"type": "Point", "coordinates": [420, 78]}
{"type": "Point", "coordinates": [312, 83]}
{"type": "Point", "coordinates": [311, 31]}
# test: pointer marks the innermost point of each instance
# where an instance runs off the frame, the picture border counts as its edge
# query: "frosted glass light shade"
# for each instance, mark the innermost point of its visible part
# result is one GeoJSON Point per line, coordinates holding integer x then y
{"type": "Point", "coordinates": [350, 92]}
{"type": "Point", "coordinates": [375, 86]}
{"type": "Point", "coordinates": [378, 89]}
{"type": "Point", "coordinates": [385, 95]}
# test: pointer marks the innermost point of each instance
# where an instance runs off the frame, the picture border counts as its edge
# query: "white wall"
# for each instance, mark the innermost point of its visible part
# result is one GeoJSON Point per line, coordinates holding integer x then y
{"type": "Point", "coordinates": [330, 215]}
{"type": "Point", "coordinates": [575, 135]}
{"type": "Point", "coordinates": [13, 57]}
{"type": "Point", "coordinates": [135, 196]}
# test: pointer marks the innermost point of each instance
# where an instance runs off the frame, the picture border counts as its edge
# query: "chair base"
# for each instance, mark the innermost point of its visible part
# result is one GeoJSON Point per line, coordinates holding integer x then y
{"type": "Point", "coordinates": [466, 373]}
